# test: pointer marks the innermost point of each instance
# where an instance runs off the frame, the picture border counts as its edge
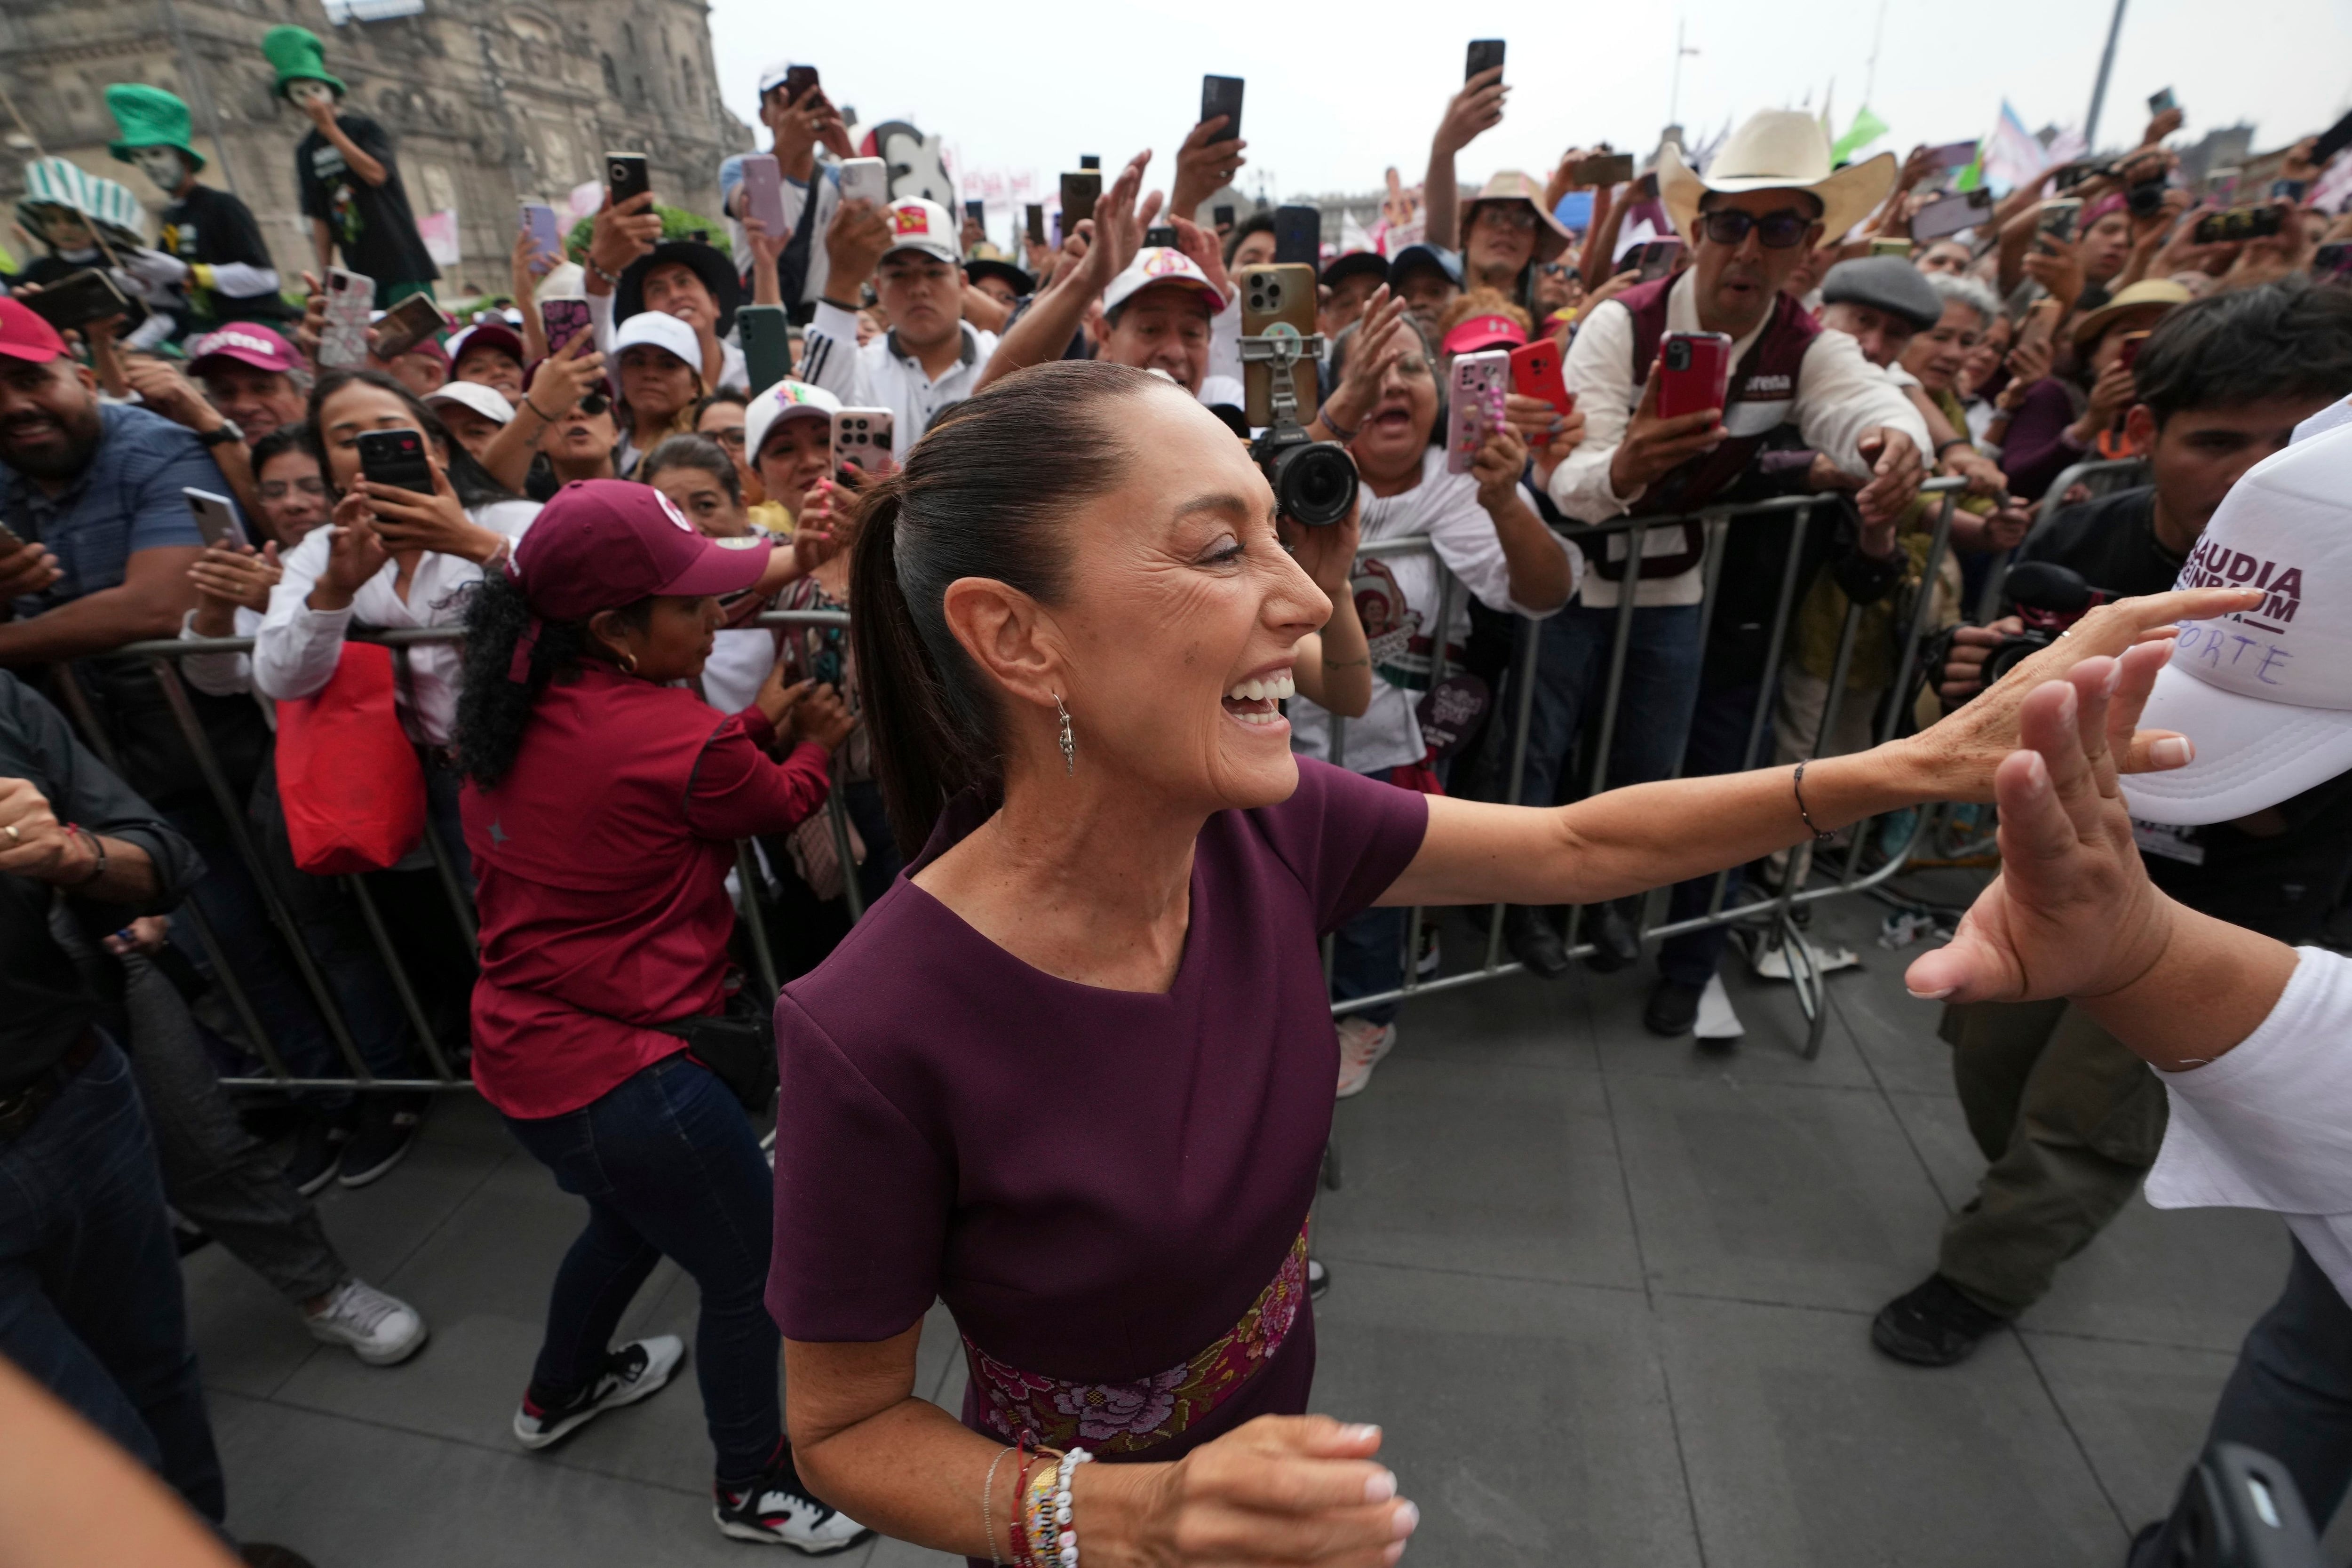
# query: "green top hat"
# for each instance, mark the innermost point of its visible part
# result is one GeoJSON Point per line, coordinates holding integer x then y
{"type": "Point", "coordinates": [298, 55]}
{"type": "Point", "coordinates": [149, 116]}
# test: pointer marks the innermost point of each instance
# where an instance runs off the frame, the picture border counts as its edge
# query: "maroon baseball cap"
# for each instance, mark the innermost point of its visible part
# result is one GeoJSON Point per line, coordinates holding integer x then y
{"type": "Point", "coordinates": [26, 335]}
{"type": "Point", "coordinates": [603, 543]}
{"type": "Point", "coordinates": [247, 342]}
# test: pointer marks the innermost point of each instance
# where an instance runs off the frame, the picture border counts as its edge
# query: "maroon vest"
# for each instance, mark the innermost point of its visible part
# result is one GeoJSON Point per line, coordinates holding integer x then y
{"type": "Point", "coordinates": [1762, 395]}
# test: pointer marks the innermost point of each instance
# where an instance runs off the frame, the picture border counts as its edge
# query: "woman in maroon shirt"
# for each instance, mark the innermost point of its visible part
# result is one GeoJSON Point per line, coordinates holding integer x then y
{"type": "Point", "coordinates": [601, 804]}
{"type": "Point", "coordinates": [1073, 1073]}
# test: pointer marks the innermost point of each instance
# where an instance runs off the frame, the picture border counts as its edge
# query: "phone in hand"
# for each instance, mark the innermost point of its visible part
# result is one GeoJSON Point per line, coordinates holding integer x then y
{"type": "Point", "coordinates": [1223, 95]}
{"type": "Point", "coordinates": [627, 174]}
{"type": "Point", "coordinates": [407, 325]}
{"type": "Point", "coordinates": [976, 210]}
{"type": "Point", "coordinates": [2333, 140]}
{"type": "Point", "coordinates": [77, 299]}
{"type": "Point", "coordinates": [1034, 215]}
{"type": "Point", "coordinates": [395, 458]}
{"type": "Point", "coordinates": [1222, 217]}
{"type": "Point", "coordinates": [1485, 54]}
{"type": "Point", "coordinates": [215, 516]}
{"type": "Point", "coordinates": [1953, 155]}
{"type": "Point", "coordinates": [546, 236]}
{"type": "Point", "coordinates": [866, 180]}
{"type": "Point", "coordinates": [2238, 224]}
{"type": "Point", "coordinates": [1604, 169]}
{"type": "Point", "coordinates": [1274, 292]}
{"type": "Point", "coordinates": [1090, 161]}
{"type": "Point", "coordinates": [2333, 261]}
{"type": "Point", "coordinates": [2161, 99]}
{"type": "Point", "coordinates": [861, 439]}
{"type": "Point", "coordinates": [1658, 259]}
{"type": "Point", "coordinates": [767, 334]}
{"type": "Point", "coordinates": [351, 300]}
{"type": "Point", "coordinates": [1162, 236]}
{"type": "Point", "coordinates": [1694, 373]}
{"type": "Point", "coordinates": [563, 320]}
{"type": "Point", "coordinates": [1298, 235]}
{"type": "Point", "coordinates": [764, 193]}
{"type": "Point", "coordinates": [1890, 248]}
{"type": "Point", "coordinates": [798, 80]}
{"type": "Point", "coordinates": [2056, 223]}
{"type": "Point", "coordinates": [1474, 407]}
{"type": "Point", "coordinates": [1080, 190]}
{"type": "Point", "coordinates": [1536, 373]}
{"type": "Point", "coordinates": [1950, 214]}
{"type": "Point", "coordinates": [2127, 350]}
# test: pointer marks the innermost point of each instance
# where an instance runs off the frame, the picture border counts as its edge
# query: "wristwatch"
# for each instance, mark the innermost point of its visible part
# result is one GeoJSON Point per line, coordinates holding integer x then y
{"type": "Point", "coordinates": [221, 435]}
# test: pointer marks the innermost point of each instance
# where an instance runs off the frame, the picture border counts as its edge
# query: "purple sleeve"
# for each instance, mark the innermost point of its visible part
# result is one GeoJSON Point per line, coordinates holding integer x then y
{"type": "Point", "coordinates": [862, 1198]}
{"type": "Point", "coordinates": [1345, 837]}
{"type": "Point", "coordinates": [2038, 450]}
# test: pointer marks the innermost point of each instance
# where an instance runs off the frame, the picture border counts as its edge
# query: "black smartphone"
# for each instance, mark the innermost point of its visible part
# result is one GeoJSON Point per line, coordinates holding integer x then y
{"type": "Point", "coordinates": [766, 333]}
{"type": "Point", "coordinates": [2160, 101]}
{"type": "Point", "coordinates": [1223, 217]}
{"type": "Point", "coordinates": [77, 299]}
{"type": "Point", "coordinates": [396, 459]}
{"type": "Point", "coordinates": [1036, 223]}
{"type": "Point", "coordinates": [2333, 140]}
{"type": "Point", "coordinates": [798, 80]}
{"type": "Point", "coordinates": [1298, 237]}
{"type": "Point", "coordinates": [976, 211]}
{"type": "Point", "coordinates": [1485, 54]}
{"type": "Point", "coordinates": [627, 174]}
{"type": "Point", "coordinates": [1080, 191]}
{"type": "Point", "coordinates": [1223, 95]}
{"type": "Point", "coordinates": [2333, 261]}
{"type": "Point", "coordinates": [1160, 235]}
{"type": "Point", "coordinates": [1089, 161]}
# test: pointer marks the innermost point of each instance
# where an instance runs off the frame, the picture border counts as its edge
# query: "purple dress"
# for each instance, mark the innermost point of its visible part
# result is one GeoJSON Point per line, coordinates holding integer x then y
{"type": "Point", "coordinates": [1099, 1184]}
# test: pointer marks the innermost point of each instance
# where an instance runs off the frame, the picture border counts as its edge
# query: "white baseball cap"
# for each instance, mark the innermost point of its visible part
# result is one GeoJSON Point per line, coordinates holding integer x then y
{"type": "Point", "coordinates": [487, 401]}
{"type": "Point", "coordinates": [924, 225]}
{"type": "Point", "coordinates": [662, 331]}
{"type": "Point", "coordinates": [1157, 264]}
{"type": "Point", "coordinates": [2265, 695]}
{"type": "Point", "coordinates": [787, 399]}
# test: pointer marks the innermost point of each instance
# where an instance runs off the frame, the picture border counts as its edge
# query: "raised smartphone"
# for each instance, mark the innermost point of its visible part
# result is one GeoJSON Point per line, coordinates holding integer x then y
{"type": "Point", "coordinates": [1604, 169]}
{"type": "Point", "coordinates": [1536, 373]}
{"type": "Point", "coordinates": [627, 174]}
{"type": "Point", "coordinates": [1081, 189]}
{"type": "Point", "coordinates": [764, 193]}
{"type": "Point", "coordinates": [2056, 223]}
{"type": "Point", "coordinates": [1950, 214]}
{"type": "Point", "coordinates": [1034, 215]}
{"type": "Point", "coordinates": [1694, 373]}
{"type": "Point", "coordinates": [1278, 293]}
{"type": "Point", "coordinates": [766, 345]}
{"type": "Point", "coordinates": [1954, 154]}
{"type": "Point", "coordinates": [407, 325]}
{"type": "Point", "coordinates": [1485, 54]}
{"type": "Point", "coordinates": [77, 299]}
{"type": "Point", "coordinates": [1890, 248]}
{"type": "Point", "coordinates": [351, 300]}
{"type": "Point", "coordinates": [396, 459]}
{"type": "Point", "coordinates": [861, 439]}
{"type": "Point", "coordinates": [215, 516]}
{"type": "Point", "coordinates": [546, 234]}
{"type": "Point", "coordinates": [1298, 235]}
{"type": "Point", "coordinates": [564, 321]}
{"type": "Point", "coordinates": [1475, 406]}
{"type": "Point", "coordinates": [2128, 351]}
{"type": "Point", "coordinates": [2161, 99]}
{"type": "Point", "coordinates": [1223, 95]}
{"type": "Point", "coordinates": [1658, 259]}
{"type": "Point", "coordinates": [866, 180]}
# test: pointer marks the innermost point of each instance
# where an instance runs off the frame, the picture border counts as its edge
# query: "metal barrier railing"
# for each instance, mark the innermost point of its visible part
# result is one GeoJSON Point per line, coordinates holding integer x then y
{"type": "Point", "coordinates": [2132, 469]}
{"type": "Point", "coordinates": [1777, 918]}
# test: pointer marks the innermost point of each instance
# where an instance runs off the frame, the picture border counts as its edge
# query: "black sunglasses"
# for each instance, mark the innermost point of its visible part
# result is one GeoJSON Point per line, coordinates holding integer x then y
{"type": "Point", "coordinates": [594, 402]}
{"type": "Point", "coordinates": [1778, 230]}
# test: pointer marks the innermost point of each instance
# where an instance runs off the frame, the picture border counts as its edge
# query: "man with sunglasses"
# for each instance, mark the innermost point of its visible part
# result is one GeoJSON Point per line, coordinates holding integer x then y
{"type": "Point", "coordinates": [1769, 197]}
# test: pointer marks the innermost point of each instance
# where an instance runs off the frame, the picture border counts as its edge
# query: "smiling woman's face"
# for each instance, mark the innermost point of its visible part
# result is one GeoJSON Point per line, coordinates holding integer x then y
{"type": "Point", "coordinates": [1178, 596]}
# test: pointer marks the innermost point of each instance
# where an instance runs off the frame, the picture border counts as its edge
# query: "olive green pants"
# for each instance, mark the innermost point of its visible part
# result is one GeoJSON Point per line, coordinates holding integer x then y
{"type": "Point", "coordinates": [2070, 1120]}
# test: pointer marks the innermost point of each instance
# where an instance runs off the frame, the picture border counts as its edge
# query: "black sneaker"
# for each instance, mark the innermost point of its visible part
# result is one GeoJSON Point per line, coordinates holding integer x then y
{"type": "Point", "coordinates": [1672, 1009]}
{"type": "Point", "coordinates": [317, 1154]}
{"type": "Point", "coordinates": [1934, 1324]}
{"type": "Point", "coordinates": [1534, 940]}
{"type": "Point", "coordinates": [637, 1369]}
{"type": "Point", "coordinates": [1616, 943]}
{"type": "Point", "coordinates": [776, 1507]}
{"type": "Point", "coordinates": [388, 1125]}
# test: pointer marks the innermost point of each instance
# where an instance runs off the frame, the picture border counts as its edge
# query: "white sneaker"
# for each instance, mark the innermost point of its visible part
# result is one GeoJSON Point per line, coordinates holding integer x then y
{"type": "Point", "coordinates": [777, 1509]}
{"type": "Point", "coordinates": [1363, 1044]}
{"type": "Point", "coordinates": [380, 1330]}
{"type": "Point", "coordinates": [637, 1369]}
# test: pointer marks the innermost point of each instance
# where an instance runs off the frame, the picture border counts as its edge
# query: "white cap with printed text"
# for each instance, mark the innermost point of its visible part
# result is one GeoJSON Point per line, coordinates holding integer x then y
{"type": "Point", "coordinates": [2265, 695]}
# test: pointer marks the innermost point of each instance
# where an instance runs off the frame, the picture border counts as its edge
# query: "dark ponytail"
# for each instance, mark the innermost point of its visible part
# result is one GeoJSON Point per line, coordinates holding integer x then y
{"type": "Point", "coordinates": [983, 494]}
{"type": "Point", "coordinates": [492, 710]}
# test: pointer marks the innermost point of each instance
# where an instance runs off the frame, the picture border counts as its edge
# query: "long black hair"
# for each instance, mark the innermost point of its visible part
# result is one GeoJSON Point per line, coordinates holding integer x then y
{"type": "Point", "coordinates": [472, 481]}
{"type": "Point", "coordinates": [492, 710]}
{"type": "Point", "coordinates": [983, 494]}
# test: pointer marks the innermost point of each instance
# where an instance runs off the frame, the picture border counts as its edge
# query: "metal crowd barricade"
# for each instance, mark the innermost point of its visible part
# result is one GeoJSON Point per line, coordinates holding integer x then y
{"type": "Point", "coordinates": [2094, 472]}
{"type": "Point", "coordinates": [1777, 917]}
{"type": "Point", "coordinates": [164, 656]}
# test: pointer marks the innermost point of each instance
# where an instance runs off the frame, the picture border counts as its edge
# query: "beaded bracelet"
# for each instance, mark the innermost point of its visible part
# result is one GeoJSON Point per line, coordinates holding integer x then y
{"type": "Point", "coordinates": [1023, 1556]}
{"type": "Point", "coordinates": [1068, 1536]}
{"type": "Point", "coordinates": [1037, 1516]}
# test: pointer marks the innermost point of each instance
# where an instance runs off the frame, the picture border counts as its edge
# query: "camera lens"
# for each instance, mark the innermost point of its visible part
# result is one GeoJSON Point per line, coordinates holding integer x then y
{"type": "Point", "coordinates": [1678, 355]}
{"type": "Point", "coordinates": [1315, 483]}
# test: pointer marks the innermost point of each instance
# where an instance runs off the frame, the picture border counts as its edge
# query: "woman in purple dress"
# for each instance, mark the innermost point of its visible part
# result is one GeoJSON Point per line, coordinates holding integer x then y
{"type": "Point", "coordinates": [1073, 1073]}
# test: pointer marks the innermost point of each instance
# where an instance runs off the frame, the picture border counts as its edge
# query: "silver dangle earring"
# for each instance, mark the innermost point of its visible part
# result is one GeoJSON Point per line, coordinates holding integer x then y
{"type": "Point", "coordinates": [1069, 746]}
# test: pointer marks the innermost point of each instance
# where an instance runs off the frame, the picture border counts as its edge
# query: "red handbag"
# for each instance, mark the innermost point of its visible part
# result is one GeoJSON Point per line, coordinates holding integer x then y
{"type": "Point", "coordinates": [352, 790]}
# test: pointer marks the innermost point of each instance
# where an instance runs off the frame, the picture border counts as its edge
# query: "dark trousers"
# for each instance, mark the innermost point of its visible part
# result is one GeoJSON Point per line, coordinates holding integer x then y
{"type": "Point", "coordinates": [669, 1167]}
{"type": "Point", "coordinates": [1368, 958]}
{"type": "Point", "coordinates": [1718, 744]}
{"type": "Point", "coordinates": [89, 1282]}
{"type": "Point", "coordinates": [1654, 702]}
{"type": "Point", "coordinates": [2071, 1120]}
{"type": "Point", "coordinates": [2291, 1394]}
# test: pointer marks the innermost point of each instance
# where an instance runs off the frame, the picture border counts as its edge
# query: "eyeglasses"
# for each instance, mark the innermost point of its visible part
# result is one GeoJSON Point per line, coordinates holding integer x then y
{"type": "Point", "coordinates": [1554, 268]}
{"type": "Point", "coordinates": [1778, 230]}
{"type": "Point", "coordinates": [731, 437]}
{"type": "Point", "coordinates": [594, 402]}
{"type": "Point", "coordinates": [1507, 214]}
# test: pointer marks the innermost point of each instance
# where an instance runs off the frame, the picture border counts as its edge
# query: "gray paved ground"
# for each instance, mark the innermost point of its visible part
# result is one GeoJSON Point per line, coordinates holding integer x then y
{"type": "Point", "coordinates": [1609, 1295]}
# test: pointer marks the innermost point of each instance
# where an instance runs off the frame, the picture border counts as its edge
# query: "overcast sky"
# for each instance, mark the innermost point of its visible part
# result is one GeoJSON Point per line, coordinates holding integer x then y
{"type": "Point", "coordinates": [1336, 94]}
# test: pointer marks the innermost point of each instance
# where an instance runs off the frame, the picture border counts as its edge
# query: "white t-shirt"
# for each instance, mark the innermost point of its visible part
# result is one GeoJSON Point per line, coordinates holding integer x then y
{"type": "Point", "coordinates": [1396, 595]}
{"type": "Point", "coordinates": [739, 664]}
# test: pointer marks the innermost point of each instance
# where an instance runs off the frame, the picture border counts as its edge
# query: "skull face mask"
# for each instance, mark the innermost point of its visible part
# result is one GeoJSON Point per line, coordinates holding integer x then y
{"type": "Point", "coordinates": [306, 93]}
{"type": "Point", "coordinates": [164, 165]}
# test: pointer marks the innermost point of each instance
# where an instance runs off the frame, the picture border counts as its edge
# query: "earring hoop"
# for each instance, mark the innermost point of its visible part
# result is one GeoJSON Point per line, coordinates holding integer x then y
{"type": "Point", "coordinates": [628, 661]}
{"type": "Point", "coordinates": [1069, 746]}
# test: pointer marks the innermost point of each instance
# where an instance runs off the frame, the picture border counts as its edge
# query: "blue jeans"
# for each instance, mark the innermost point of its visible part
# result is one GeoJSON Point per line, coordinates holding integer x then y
{"type": "Point", "coordinates": [1368, 957]}
{"type": "Point", "coordinates": [669, 1167]}
{"type": "Point", "coordinates": [1718, 744]}
{"type": "Point", "coordinates": [1653, 707]}
{"type": "Point", "coordinates": [89, 1282]}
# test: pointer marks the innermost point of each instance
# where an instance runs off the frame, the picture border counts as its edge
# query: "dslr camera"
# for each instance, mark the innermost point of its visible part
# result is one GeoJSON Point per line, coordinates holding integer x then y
{"type": "Point", "coordinates": [2049, 599]}
{"type": "Point", "coordinates": [1314, 482]}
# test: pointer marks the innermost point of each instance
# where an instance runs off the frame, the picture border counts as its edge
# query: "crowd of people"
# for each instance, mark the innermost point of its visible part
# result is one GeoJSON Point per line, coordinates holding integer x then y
{"type": "Point", "coordinates": [1068, 731]}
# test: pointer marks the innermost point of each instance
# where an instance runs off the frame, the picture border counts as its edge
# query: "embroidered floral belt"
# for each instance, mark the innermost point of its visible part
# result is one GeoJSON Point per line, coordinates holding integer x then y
{"type": "Point", "coordinates": [1126, 1418]}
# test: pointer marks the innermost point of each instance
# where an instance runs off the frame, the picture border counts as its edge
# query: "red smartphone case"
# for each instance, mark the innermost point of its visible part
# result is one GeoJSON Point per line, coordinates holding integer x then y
{"type": "Point", "coordinates": [1694, 373]}
{"type": "Point", "coordinates": [1536, 373]}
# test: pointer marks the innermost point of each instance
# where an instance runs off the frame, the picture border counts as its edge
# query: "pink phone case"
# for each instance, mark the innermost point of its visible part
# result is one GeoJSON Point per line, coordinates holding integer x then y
{"type": "Point", "coordinates": [1475, 405]}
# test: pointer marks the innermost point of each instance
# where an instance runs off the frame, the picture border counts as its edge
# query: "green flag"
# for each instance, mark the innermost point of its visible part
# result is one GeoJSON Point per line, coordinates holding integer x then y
{"type": "Point", "coordinates": [1866, 128]}
{"type": "Point", "coordinates": [1969, 178]}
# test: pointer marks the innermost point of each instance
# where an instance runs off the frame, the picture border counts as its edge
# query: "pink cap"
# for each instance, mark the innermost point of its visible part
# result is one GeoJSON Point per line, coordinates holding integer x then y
{"type": "Point", "coordinates": [1484, 332]}
{"type": "Point", "coordinates": [25, 333]}
{"type": "Point", "coordinates": [247, 342]}
{"type": "Point", "coordinates": [602, 544]}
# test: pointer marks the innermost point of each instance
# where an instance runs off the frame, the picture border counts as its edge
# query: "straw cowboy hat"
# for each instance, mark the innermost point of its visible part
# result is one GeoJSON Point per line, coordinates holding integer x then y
{"type": "Point", "coordinates": [1511, 185]}
{"type": "Point", "coordinates": [1776, 149]}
